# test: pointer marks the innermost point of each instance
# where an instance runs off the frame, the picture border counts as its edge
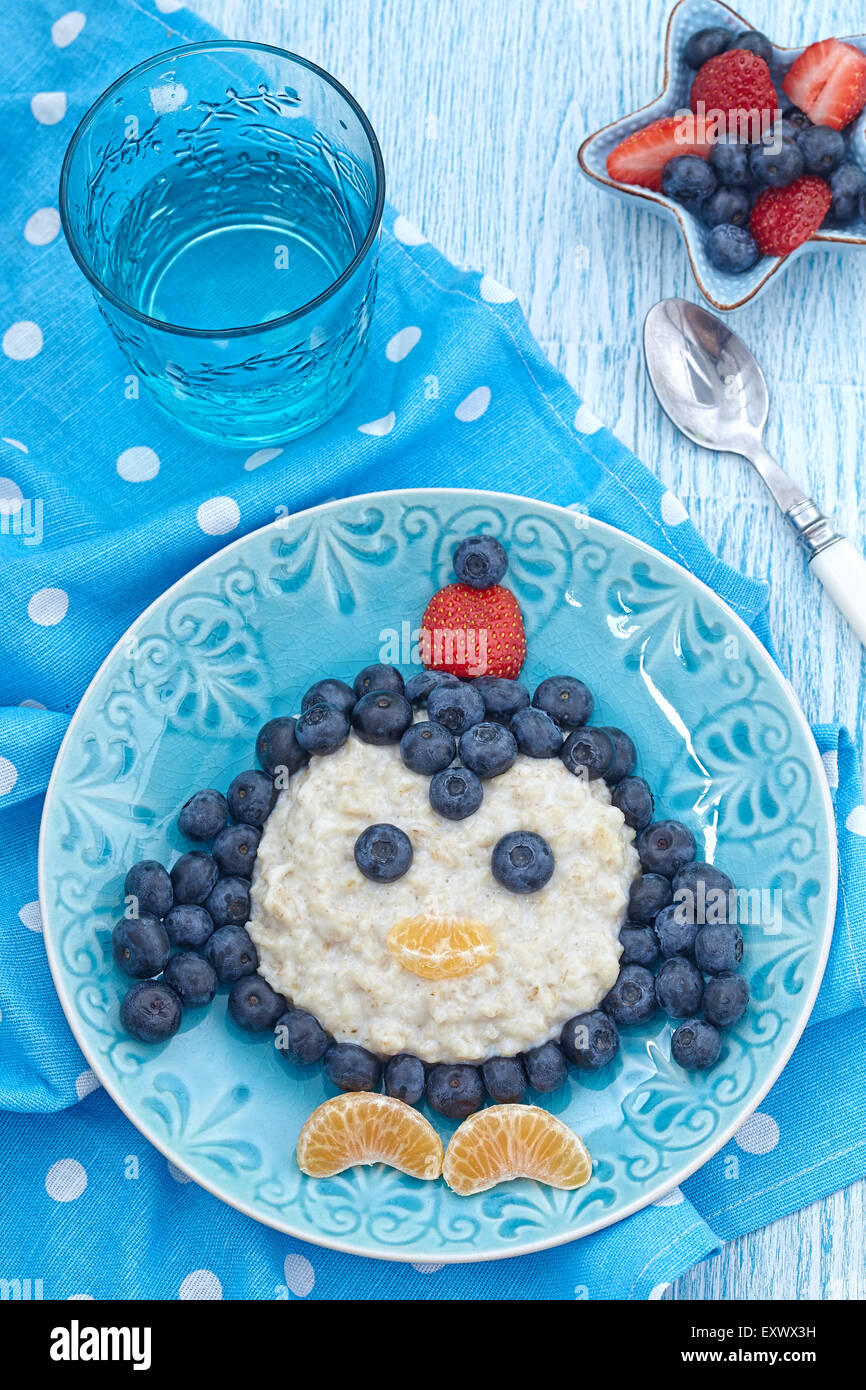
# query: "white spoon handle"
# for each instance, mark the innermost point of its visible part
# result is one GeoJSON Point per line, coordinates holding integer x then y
{"type": "Point", "coordinates": [842, 571]}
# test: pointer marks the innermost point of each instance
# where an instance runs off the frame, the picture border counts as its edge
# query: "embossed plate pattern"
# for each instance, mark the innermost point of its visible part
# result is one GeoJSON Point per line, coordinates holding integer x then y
{"type": "Point", "coordinates": [177, 705]}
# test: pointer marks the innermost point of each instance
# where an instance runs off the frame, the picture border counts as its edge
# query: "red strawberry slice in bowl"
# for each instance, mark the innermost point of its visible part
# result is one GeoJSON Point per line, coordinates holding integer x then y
{"type": "Point", "coordinates": [473, 632]}
{"type": "Point", "coordinates": [737, 84]}
{"type": "Point", "coordinates": [784, 218]}
{"type": "Point", "coordinates": [828, 82]}
{"type": "Point", "coordinates": [641, 157]}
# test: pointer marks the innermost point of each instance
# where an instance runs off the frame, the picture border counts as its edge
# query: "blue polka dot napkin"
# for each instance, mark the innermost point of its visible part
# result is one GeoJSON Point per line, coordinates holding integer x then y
{"type": "Point", "coordinates": [113, 503]}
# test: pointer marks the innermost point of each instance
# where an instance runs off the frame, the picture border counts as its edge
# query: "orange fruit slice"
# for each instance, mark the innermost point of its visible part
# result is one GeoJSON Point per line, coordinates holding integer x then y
{"type": "Point", "coordinates": [363, 1127]}
{"type": "Point", "coordinates": [440, 948]}
{"type": "Point", "coordinates": [514, 1141]}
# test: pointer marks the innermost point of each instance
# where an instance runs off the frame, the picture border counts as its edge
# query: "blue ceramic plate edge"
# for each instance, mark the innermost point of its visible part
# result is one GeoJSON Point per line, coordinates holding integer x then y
{"type": "Point", "coordinates": [437, 1255]}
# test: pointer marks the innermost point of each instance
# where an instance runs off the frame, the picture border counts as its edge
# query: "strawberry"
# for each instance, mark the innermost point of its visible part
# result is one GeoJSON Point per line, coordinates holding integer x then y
{"type": "Point", "coordinates": [641, 157]}
{"type": "Point", "coordinates": [473, 632]}
{"type": "Point", "coordinates": [738, 84]}
{"type": "Point", "coordinates": [783, 218]}
{"type": "Point", "coordinates": [828, 82]}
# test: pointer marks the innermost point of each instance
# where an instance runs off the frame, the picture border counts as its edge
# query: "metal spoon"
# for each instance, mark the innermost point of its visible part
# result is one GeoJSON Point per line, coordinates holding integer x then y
{"type": "Point", "coordinates": [713, 390]}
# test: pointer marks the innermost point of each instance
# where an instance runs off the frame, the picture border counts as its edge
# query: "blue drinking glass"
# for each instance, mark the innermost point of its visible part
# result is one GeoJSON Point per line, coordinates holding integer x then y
{"type": "Point", "coordinates": [225, 202]}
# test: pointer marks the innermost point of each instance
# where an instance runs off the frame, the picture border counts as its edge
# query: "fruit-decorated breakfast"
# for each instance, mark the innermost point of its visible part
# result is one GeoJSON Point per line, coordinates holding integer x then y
{"type": "Point", "coordinates": [446, 891]}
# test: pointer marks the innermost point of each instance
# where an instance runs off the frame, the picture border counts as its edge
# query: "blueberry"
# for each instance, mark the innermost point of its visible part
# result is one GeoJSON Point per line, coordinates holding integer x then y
{"type": "Point", "coordinates": [380, 677]}
{"type": "Point", "coordinates": [427, 748]}
{"type": "Point", "coordinates": [729, 205]}
{"type": "Point", "coordinates": [590, 1040]}
{"type": "Point", "coordinates": [648, 894]}
{"type": "Point", "coordinates": [300, 1036]}
{"type": "Point", "coordinates": [404, 1078]}
{"type": "Point", "coordinates": [457, 707]}
{"type": "Point", "coordinates": [634, 799]}
{"type": "Point", "coordinates": [455, 1091]}
{"type": "Point", "coordinates": [251, 796]}
{"type": "Point", "coordinates": [502, 697]}
{"type": "Point", "coordinates": [277, 746]}
{"type": "Point", "coordinates": [688, 179]}
{"type": "Point", "coordinates": [231, 953]}
{"type": "Point", "coordinates": [140, 946]}
{"type": "Point", "coordinates": [383, 853]}
{"type": "Point", "coordinates": [149, 883]}
{"type": "Point", "coordinates": [696, 1045]}
{"type": "Point", "coordinates": [456, 793]}
{"type": "Point", "coordinates": [675, 932]}
{"type": "Point", "coordinates": [679, 988]}
{"type": "Point", "coordinates": [418, 687]}
{"type": "Point", "coordinates": [632, 999]}
{"type": "Point", "coordinates": [546, 1068]}
{"type": "Point", "coordinates": [352, 1068]}
{"type": "Point", "coordinates": [624, 756]}
{"type": "Point", "coordinates": [488, 749]}
{"type": "Point", "coordinates": [726, 999]}
{"type": "Point", "coordinates": [729, 161]}
{"type": "Point", "coordinates": [731, 248]}
{"type": "Point", "coordinates": [480, 561]}
{"type": "Point", "coordinates": [664, 847]}
{"type": "Point", "coordinates": [253, 1005]}
{"type": "Point", "coordinates": [822, 149]}
{"type": "Point", "coordinates": [537, 735]}
{"type": "Point", "coordinates": [719, 948]}
{"type": "Point", "coordinates": [322, 729]}
{"type": "Point", "coordinates": [691, 876]}
{"type": "Point", "coordinates": [753, 42]}
{"type": "Point", "coordinates": [795, 117]}
{"type": "Point", "coordinates": [703, 892]}
{"type": "Point", "coordinates": [567, 700]}
{"type": "Point", "coordinates": [331, 692]}
{"type": "Point", "coordinates": [848, 186]}
{"type": "Point", "coordinates": [777, 164]}
{"type": "Point", "coordinates": [204, 815]}
{"type": "Point", "coordinates": [588, 753]}
{"type": "Point", "coordinates": [382, 717]}
{"type": "Point", "coordinates": [228, 902]}
{"type": "Point", "coordinates": [188, 926]}
{"type": "Point", "coordinates": [707, 44]}
{"type": "Point", "coordinates": [235, 848]}
{"type": "Point", "coordinates": [193, 876]}
{"type": "Point", "coordinates": [151, 1012]}
{"type": "Point", "coordinates": [522, 861]}
{"type": "Point", "coordinates": [505, 1079]}
{"type": "Point", "coordinates": [640, 945]}
{"type": "Point", "coordinates": [192, 979]}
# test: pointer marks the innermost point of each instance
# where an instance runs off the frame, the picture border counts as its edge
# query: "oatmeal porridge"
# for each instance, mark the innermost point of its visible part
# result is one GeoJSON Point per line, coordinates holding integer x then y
{"type": "Point", "coordinates": [321, 927]}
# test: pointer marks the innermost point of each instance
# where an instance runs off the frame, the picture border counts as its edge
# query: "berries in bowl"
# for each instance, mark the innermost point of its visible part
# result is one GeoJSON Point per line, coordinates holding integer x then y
{"type": "Point", "coordinates": [756, 151]}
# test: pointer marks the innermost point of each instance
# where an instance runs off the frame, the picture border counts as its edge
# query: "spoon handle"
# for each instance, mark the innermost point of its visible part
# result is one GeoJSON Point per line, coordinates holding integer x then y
{"type": "Point", "coordinates": [834, 561]}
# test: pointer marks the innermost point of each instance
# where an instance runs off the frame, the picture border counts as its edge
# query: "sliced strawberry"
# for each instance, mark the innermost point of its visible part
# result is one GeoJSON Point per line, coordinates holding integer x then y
{"type": "Point", "coordinates": [473, 632]}
{"type": "Point", "coordinates": [783, 218]}
{"type": "Point", "coordinates": [738, 85]}
{"type": "Point", "coordinates": [828, 82]}
{"type": "Point", "coordinates": [642, 156]}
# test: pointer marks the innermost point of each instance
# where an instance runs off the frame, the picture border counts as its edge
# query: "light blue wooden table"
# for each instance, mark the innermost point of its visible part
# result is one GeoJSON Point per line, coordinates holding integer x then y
{"type": "Point", "coordinates": [480, 106]}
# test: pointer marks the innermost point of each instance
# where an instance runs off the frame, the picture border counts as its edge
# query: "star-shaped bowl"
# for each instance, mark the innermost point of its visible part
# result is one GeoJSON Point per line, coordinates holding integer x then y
{"type": "Point", "coordinates": [720, 288]}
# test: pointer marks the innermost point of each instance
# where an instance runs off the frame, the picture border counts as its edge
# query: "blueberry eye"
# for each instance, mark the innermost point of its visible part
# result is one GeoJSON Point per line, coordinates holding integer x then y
{"type": "Point", "coordinates": [383, 853]}
{"type": "Point", "coordinates": [522, 861]}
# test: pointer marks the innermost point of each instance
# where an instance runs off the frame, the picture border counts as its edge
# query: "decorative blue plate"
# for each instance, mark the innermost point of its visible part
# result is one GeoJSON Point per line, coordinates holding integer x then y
{"type": "Point", "coordinates": [177, 705]}
{"type": "Point", "coordinates": [721, 289]}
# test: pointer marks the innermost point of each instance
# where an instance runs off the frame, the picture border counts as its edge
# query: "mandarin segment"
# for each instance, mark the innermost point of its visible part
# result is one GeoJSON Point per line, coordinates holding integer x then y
{"type": "Point", "coordinates": [364, 1127]}
{"type": "Point", "coordinates": [514, 1141]}
{"type": "Point", "coordinates": [440, 948]}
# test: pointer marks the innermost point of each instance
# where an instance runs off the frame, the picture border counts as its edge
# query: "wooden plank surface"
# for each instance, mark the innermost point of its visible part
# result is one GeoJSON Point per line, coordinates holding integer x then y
{"type": "Point", "coordinates": [480, 106]}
